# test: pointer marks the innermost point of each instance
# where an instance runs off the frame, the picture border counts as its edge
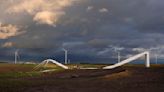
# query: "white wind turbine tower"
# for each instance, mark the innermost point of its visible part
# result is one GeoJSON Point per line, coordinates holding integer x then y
{"type": "Point", "coordinates": [16, 56]}
{"type": "Point", "coordinates": [118, 55]}
{"type": "Point", "coordinates": [156, 54]}
{"type": "Point", "coordinates": [156, 58]}
{"type": "Point", "coordinates": [117, 50]}
{"type": "Point", "coordinates": [66, 55]}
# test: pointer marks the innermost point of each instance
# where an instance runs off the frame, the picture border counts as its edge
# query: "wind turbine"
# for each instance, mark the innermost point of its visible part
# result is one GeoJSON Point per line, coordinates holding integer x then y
{"type": "Point", "coordinates": [156, 58]}
{"type": "Point", "coordinates": [156, 55]}
{"type": "Point", "coordinates": [16, 56]}
{"type": "Point", "coordinates": [69, 61]}
{"type": "Point", "coordinates": [66, 55]}
{"type": "Point", "coordinates": [118, 53]}
{"type": "Point", "coordinates": [156, 51]}
{"type": "Point", "coordinates": [119, 57]}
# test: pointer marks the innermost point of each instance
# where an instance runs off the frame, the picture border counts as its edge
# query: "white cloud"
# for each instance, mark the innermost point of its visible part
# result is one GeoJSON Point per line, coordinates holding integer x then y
{"type": "Point", "coordinates": [72, 44]}
{"type": "Point", "coordinates": [139, 49]}
{"type": "Point", "coordinates": [7, 31]}
{"type": "Point", "coordinates": [103, 10]}
{"type": "Point", "coordinates": [43, 11]}
{"type": "Point", "coordinates": [103, 51]}
{"type": "Point", "coordinates": [46, 17]}
{"type": "Point", "coordinates": [89, 8]}
{"type": "Point", "coordinates": [116, 48]}
{"type": "Point", "coordinates": [152, 49]}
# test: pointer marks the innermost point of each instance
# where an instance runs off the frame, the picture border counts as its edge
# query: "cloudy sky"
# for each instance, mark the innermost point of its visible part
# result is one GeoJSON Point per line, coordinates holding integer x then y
{"type": "Point", "coordinates": [41, 28]}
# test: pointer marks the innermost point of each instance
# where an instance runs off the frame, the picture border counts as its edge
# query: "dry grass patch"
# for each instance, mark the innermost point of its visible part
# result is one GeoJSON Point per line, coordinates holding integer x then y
{"type": "Point", "coordinates": [122, 74]}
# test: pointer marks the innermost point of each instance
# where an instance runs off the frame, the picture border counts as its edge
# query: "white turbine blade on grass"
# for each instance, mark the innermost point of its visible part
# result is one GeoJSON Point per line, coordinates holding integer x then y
{"type": "Point", "coordinates": [42, 64]}
{"type": "Point", "coordinates": [46, 63]}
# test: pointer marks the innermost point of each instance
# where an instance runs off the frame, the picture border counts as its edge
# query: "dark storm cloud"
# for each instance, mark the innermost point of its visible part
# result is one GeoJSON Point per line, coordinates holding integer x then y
{"type": "Point", "coordinates": [124, 21]}
{"type": "Point", "coordinates": [92, 26]}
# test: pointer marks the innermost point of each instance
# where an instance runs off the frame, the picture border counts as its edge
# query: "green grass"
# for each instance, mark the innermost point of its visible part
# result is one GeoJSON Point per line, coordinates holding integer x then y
{"type": "Point", "coordinates": [17, 71]}
{"type": "Point", "coordinates": [19, 75]}
{"type": "Point", "coordinates": [8, 71]}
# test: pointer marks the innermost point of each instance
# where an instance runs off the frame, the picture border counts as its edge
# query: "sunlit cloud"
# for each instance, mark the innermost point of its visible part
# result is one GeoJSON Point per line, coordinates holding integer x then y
{"type": "Point", "coordinates": [46, 17]}
{"type": "Point", "coordinates": [8, 30]}
{"type": "Point", "coordinates": [103, 10]}
{"type": "Point", "coordinates": [43, 11]}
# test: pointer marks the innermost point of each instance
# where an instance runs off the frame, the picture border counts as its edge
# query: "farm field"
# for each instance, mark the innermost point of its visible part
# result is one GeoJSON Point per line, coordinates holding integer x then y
{"type": "Point", "coordinates": [129, 78]}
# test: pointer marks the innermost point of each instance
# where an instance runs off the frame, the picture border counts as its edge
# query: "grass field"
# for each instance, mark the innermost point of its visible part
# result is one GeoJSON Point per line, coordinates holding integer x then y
{"type": "Point", "coordinates": [129, 78]}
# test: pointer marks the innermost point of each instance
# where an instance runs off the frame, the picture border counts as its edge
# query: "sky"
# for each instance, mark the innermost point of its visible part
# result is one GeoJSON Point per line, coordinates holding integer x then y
{"type": "Point", "coordinates": [96, 28]}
